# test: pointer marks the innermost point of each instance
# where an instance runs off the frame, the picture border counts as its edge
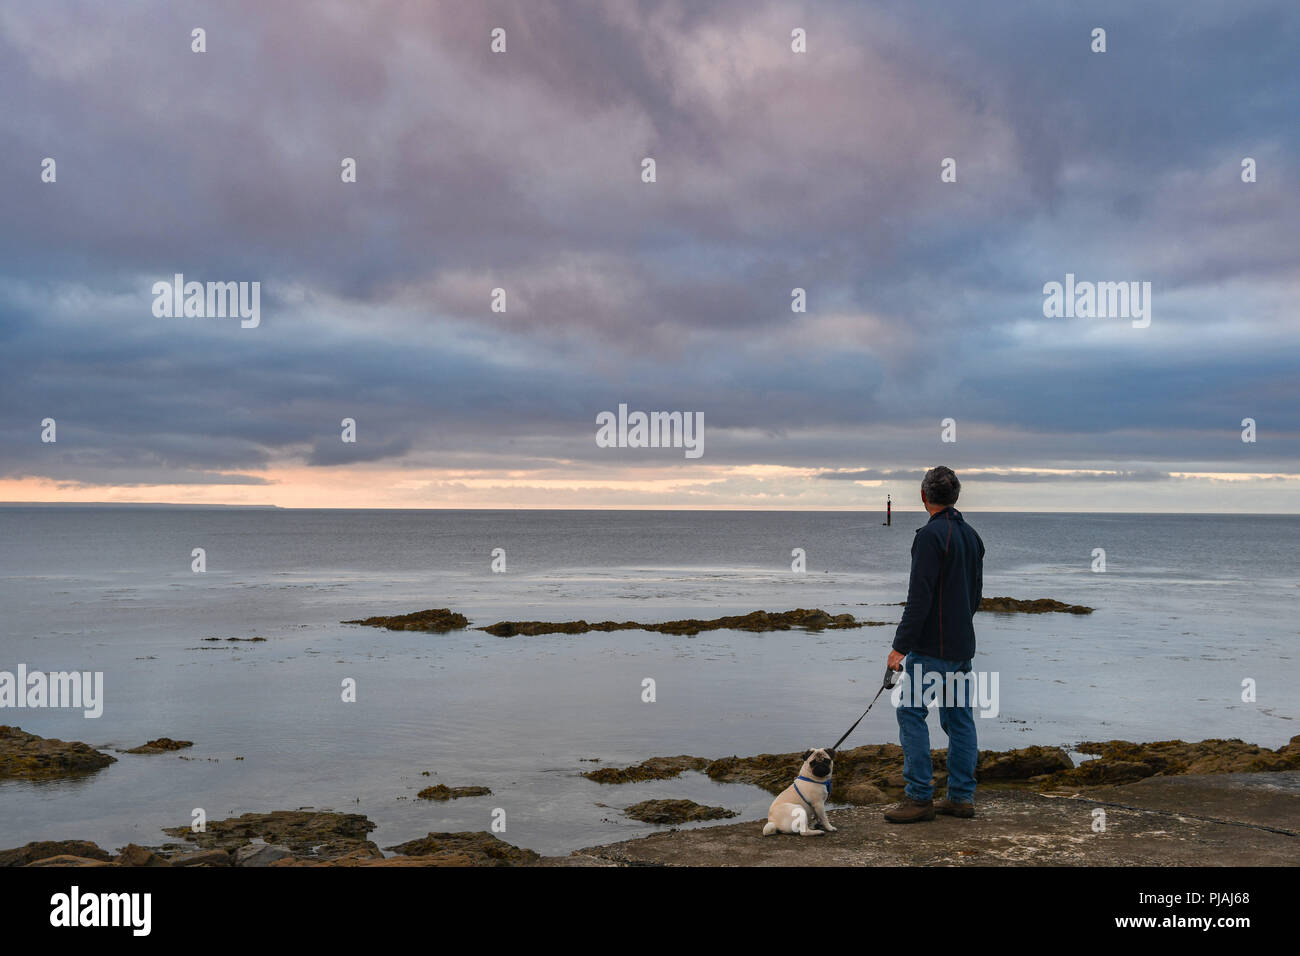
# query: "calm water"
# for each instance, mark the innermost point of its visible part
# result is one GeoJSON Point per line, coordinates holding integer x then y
{"type": "Point", "coordinates": [1190, 605]}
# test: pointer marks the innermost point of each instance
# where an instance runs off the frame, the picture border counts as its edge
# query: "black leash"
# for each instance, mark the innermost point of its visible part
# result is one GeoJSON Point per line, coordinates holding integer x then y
{"type": "Point", "coordinates": [889, 683]}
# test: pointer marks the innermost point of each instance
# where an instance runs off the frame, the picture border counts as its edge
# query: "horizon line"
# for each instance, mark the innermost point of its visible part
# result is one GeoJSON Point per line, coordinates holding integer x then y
{"type": "Point", "coordinates": [211, 506]}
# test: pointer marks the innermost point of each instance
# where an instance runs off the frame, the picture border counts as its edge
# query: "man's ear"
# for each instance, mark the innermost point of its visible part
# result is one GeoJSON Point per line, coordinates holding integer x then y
{"type": "Point", "coordinates": [806, 755]}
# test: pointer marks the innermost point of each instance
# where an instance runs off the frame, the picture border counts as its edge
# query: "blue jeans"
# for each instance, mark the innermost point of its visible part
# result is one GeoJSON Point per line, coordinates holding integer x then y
{"type": "Point", "coordinates": [957, 722]}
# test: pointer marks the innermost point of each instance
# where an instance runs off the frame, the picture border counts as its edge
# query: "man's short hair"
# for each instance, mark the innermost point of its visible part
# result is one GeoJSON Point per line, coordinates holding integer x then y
{"type": "Point", "coordinates": [940, 486]}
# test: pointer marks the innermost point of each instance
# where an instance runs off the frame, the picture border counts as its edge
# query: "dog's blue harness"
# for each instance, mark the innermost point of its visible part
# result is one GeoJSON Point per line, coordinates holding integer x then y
{"type": "Point", "coordinates": [824, 783]}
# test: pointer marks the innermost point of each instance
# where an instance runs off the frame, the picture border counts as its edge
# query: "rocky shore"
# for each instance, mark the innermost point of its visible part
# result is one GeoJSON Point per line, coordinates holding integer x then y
{"type": "Point", "coordinates": [39, 758]}
{"type": "Point", "coordinates": [1178, 802]}
{"type": "Point", "coordinates": [1237, 819]}
{"type": "Point", "coordinates": [874, 772]}
{"type": "Point", "coordinates": [280, 838]}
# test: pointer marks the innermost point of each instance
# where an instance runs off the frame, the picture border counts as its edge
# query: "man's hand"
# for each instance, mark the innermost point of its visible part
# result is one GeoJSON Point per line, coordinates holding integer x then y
{"type": "Point", "coordinates": [896, 660]}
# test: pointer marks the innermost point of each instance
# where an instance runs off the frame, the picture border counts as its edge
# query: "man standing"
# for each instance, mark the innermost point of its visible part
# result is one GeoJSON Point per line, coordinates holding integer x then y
{"type": "Point", "coordinates": [935, 642]}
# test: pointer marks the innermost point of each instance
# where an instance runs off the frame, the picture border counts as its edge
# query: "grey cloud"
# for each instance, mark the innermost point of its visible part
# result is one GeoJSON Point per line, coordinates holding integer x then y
{"type": "Point", "coordinates": [521, 171]}
{"type": "Point", "coordinates": [338, 452]}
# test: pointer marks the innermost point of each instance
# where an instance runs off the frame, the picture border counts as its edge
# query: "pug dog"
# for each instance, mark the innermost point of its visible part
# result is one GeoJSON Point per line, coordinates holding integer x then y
{"type": "Point", "coordinates": [805, 799]}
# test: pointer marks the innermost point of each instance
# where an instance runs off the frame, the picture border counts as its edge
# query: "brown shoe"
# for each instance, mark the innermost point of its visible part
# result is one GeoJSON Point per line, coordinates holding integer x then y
{"type": "Point", "coordinates": [950, 808]}
{"type": "Point", "coordinates": [910, 811]}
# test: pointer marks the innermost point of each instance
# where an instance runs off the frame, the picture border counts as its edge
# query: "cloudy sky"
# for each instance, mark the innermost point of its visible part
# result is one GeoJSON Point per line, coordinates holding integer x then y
{"type": "Point", "coordinates": [775, 170]}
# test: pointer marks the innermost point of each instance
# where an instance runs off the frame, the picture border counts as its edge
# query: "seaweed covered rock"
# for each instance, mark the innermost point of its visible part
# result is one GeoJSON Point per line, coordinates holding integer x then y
{"type": "Point", "coordinates": [656, 768]}
{"type": "Point", "coordinates": [45, 849]}
{"type": "Point", "coordinates": [319, 833]}
{"type": "Point", "coordinates": [1123, 761]}
{"type": "Point", "coordinates": [161, 746]}
{"type": "Point", "coordinates": [39, 758]}
{"type": "Point", "coordinates": [133, 855]}
{"type": "Point", "coordinates": [67, 860]}
{"type": "Point", "coordinates": [814, 619]}
{"type": "Point", "coordinates": [444, 792]}
{"type": "Point", "coordinates": [464, 849]}
{"type": "Point", "coordinates": [1291, 749]}
{"type": "Point", "coordinates": [1022, 764]}
{"type": "Point", "coordinates": [261, 854]}
{"type": "Point", "coordinates": [1008, 605]}
{"type": "Point", "coordinates": [218, 856]}
{"type": "Point", "coordinates": [675, 811]}
{"type": "Point", "coordinates": [438, 620]}
{"type": "Point", "coordinates": [535, 628]}
{"type": "Point", "coordinates": [859, 793]}
{"type": "Point", "coordinates": [862, 775]}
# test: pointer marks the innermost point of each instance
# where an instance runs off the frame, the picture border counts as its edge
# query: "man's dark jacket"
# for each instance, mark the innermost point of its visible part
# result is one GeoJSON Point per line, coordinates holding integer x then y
{"type": "Point", "coordinates": [944, 591]}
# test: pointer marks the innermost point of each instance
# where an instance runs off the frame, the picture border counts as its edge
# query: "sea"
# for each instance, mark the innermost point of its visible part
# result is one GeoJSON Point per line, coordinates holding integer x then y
{"type": "Point", "coordinates": [1194, 635]}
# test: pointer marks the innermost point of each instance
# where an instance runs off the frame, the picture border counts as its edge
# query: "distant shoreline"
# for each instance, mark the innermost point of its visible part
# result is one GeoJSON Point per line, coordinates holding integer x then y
{"type": "Point", "coordinates": [140, 505]}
